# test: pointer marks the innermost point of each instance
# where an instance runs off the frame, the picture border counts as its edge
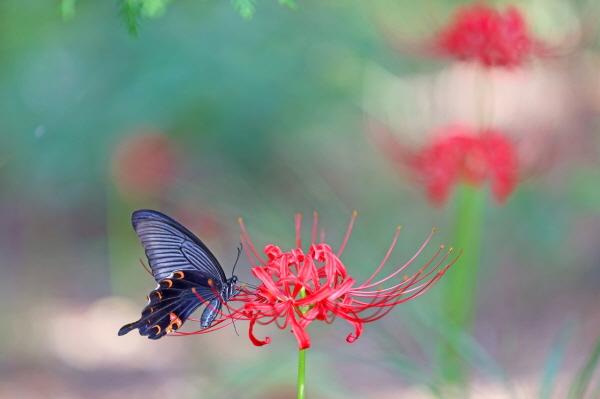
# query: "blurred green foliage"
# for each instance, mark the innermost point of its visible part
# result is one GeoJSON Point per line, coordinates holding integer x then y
{"type": "Point", "coordinates": [267, 117]}
{"type": "Point", "coordinates": [134, 11]}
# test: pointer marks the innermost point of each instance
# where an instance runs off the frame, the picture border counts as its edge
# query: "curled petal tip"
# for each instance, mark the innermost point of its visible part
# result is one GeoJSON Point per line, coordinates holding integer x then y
{"type": "Point", "coordinates": [351, 338]}
{"type": "Point", "coordinates": [354, 213]}
{"type": "Point", "coordinates": [259, 342]}
{"type": "Point", "coordinates": [434, 230]}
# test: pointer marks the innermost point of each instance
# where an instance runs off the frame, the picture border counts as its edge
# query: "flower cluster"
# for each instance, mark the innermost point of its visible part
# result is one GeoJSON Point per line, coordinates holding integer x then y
{"type": "Point", "coordinates": [488, 36]}
{"type": "Point", "coordinates": [461, 155]}
{"type": "Point", "coordinates": [298, 287]}
{"type": "Point", "coordinates": [456, 154]}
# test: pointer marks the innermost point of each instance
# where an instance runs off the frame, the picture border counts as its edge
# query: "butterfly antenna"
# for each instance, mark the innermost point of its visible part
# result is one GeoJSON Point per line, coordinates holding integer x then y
{"type": "Point", "coordinates": [146, 268]}
{"type": "Point", "coordinates": [233, 322]}
{"type": "Point", "coordinates": [239, 251]}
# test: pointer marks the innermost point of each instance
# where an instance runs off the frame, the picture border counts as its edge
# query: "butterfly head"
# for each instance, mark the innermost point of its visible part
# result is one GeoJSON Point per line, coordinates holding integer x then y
{"type": "Point", "coordinates": [232, 287]}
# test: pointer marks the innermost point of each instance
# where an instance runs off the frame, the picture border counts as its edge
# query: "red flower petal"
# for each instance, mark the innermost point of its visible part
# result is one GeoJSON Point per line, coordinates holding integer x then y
{"type": "Point", "coordinates": [253, 338]}
{"type": "Point", "coordinates": [298, 330]}
{"type": "Point", "coordinates": [483, 34]}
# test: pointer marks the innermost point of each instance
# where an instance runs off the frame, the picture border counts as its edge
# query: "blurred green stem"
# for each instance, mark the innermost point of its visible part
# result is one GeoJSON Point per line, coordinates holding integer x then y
{"type": "Point", "coordinates": [583, 379]}
{"type": "Point", "coordinates": [121, 263]}
{"type": "Point", "coordinates": [460, 285]}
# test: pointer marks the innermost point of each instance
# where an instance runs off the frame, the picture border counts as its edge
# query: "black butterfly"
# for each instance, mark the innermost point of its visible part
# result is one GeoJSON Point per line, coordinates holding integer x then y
{"type": "Point", "coordinates": [187, 273]}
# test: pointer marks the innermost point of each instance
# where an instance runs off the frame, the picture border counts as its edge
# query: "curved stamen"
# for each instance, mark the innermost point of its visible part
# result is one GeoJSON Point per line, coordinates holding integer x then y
{"type": "Point", "coordinates": [386, 257]}
{"type": "Point", "coordinates": [314, 229]}
{"type": "Point", "coordinates": [246, 237]}
{"type": "Point", "coordinates": [407, 264]}
{"type": "Point", "coordinates": [347, 234]}
{"type": "Point", "coordinates": [298, 228]}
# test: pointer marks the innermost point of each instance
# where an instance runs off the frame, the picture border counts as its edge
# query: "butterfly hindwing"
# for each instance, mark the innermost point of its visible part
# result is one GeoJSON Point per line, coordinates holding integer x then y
{"type": "Point", "coordinates": [169, 246]}
{"type": "Point", "coordinates": [173, 301]}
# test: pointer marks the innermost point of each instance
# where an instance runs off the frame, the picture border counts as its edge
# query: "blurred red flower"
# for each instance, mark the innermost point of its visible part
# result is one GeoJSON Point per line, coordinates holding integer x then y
{"type": "Point", "coordinates": [457, 154]}
{"type": "Point", "coordinates": [298, 287]}
{"type": "Point", "coordinates": [488, 36]}
{"type": "Point", "coordinates": [144, 164]}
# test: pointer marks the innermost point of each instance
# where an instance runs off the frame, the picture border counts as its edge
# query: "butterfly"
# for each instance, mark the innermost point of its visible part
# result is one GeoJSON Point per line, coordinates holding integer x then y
{"type": "Point", "coordinates": [187, 273]}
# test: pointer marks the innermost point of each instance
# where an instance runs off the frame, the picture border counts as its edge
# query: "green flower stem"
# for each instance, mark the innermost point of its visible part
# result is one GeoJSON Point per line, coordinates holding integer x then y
{"type": "Point", "coordinates": [301, 373]}
{"type": "Point", "coordinates": [301, 382]}
{"type": "Point", "coordinates": [460, 285]}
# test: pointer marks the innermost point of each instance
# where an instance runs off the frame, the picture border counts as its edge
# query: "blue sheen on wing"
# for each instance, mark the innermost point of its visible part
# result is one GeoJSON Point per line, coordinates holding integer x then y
{"type": "Point", "coordinates": [169, 247]}
{"type": "Point", "coordinates": [210, 312]}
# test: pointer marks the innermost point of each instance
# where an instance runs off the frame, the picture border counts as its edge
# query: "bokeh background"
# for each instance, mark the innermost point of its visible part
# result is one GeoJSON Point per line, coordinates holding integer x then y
{"type": "Point", "coordinates": [209, 116]}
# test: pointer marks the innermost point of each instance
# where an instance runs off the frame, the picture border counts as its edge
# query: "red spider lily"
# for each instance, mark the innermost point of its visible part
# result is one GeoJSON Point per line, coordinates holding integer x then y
{"type": "Point", "coordinates": [144, 164]}
{"type": "Point", "coordinates": [457, 154]}
{"type": "Point", "coordinates": [298, 287]}
{"type": "Point", "coordinates": [491, 37]}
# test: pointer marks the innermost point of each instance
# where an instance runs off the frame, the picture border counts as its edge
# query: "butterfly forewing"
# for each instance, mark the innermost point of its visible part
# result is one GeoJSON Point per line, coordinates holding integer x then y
{"type": "Point", "coordinates": [169, 246]}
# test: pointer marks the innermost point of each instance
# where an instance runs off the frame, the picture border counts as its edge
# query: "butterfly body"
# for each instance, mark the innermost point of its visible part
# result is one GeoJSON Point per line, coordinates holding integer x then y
{"type": "Point", "coordinates": [187, 273]}
{"type": "Point", "coordinates": [214, 306]}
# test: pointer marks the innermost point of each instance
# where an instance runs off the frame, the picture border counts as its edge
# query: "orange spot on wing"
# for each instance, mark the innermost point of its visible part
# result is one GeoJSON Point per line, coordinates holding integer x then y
{"type": "Point", "coordinates": [179, 274]}
{"type": "Point", "coordinates": [175, 322]}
